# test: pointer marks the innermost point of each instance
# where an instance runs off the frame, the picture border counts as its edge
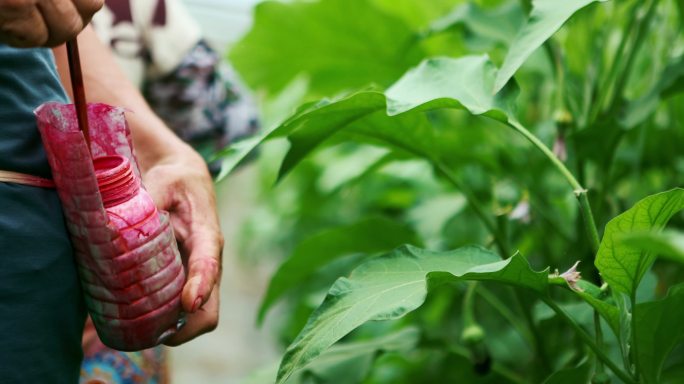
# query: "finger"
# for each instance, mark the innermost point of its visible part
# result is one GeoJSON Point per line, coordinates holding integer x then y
{"type": "Point", "coordinates": [62, 19]}
{"type": "Point", "coordinates": [87, 8]}
{"type": "Point", "coordinates": [23, 27]}
{"type": "Point", "coordinates": [204, 267]}
{"type": "Point", "coordinates": [198, 323]}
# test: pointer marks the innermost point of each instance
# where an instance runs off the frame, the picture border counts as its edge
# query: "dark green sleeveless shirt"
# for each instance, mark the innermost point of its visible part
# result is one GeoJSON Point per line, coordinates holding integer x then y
{"type": "Point", "coordinates": [41, 307]}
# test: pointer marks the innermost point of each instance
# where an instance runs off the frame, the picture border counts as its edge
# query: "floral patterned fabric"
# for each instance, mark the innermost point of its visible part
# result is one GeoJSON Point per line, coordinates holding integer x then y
{"type": "Point", "coordinates": [203, 102]}
{"type": "Point", "coordinates": [103, 365]}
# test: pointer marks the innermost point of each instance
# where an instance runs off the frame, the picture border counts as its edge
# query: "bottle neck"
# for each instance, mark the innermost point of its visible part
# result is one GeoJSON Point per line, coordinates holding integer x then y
{"type": "Point", "coordinates": [115, 179]}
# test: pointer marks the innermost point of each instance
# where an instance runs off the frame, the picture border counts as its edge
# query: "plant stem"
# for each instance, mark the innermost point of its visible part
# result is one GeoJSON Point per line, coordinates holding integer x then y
{"type": "Point", "coordinates": [589, 222]}
{"type": "Point", "coordinates": [580, 192]}
{"type": "Point", "coordinates": [635, 346]}
{"type": "Point", "coordinates": [547, 152]}
{"type": "Point", "coordinates": [469, 305]}
{"type": "Point", "coordinates": [589, 341]}
{"type": "Point", "coordinates": [599, 340]}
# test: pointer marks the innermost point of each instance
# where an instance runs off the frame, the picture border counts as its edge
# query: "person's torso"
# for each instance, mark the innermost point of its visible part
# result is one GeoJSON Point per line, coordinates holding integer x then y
{"type": "Point", "coordinates": [28, 78]}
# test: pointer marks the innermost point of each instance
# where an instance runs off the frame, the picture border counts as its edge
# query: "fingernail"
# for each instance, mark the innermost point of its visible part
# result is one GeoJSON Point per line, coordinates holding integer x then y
{"type": "Point", "coordinates": [196, 305]}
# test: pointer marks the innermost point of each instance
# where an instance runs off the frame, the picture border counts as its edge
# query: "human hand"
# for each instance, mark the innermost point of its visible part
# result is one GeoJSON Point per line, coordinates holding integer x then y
{"type": "Point", "coordinates": [48, 23]}
{"type": "Point", "coordinates": [180, 184]}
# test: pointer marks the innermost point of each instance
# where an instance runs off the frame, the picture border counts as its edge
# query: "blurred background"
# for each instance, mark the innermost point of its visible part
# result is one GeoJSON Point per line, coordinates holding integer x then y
{"type": "Point", "coordinates": [237, 347]}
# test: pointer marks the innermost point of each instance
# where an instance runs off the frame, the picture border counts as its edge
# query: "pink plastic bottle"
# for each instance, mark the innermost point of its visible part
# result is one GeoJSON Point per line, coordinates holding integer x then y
{"type": "Point", "coordinates": [124, 247]}
{"type": "Point", "coordinates": [129, 207]}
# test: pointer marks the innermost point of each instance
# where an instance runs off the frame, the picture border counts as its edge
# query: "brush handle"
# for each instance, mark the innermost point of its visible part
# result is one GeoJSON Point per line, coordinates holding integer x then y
{"type": "Point", "coordinates": [78, 88]}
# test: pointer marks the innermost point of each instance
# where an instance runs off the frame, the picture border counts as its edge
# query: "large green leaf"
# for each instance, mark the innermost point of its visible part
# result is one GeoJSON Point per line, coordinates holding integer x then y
{"type": "Point", "coordinates": [546, 18]}
{"type": "Point", "coordinates": [367, 236]}
{"type": "Point", "coordinates": [659, 328]}
{"type": "Point", "coordinates": [338, 44]}
{"type": "Point", "coordinates": [462, 83]}
{"type": "Point", "coordinates": [667, 244]}
{"type": "Point", "coordinates": [621, 265]}
{"type": "Point", "coordinates": [390, 286]}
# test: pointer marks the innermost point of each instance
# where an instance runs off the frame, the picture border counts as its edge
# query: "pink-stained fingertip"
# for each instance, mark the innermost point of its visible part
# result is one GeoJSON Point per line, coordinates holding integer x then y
{"type": "Point", "coordinates": [196, 305]}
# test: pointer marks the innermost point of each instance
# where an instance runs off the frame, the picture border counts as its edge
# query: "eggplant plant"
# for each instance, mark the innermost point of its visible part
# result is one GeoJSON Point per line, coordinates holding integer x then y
{"type": "Point", "coordinates": [473, 191]}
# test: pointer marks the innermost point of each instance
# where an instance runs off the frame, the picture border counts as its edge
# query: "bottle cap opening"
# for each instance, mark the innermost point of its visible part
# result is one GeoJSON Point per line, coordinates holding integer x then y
{"type": "Point", "coordinates": [115, 179]}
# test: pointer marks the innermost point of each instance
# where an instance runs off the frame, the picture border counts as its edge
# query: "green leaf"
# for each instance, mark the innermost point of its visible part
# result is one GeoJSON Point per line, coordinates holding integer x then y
{"type": "Point", "coordinates": [390, 286]}
{"type": "Point", "coordinates": [498, 24]}
{"type": "Point", "coordinates": [345, 362]}
{"type": "Point", "coordinates": [369, 236]}
{"type": "Point", "coordinates": [389, 119]}
{"type": "Point", "coordinates": [350, 362]}
{"type": "Point", "coordinates": [599, 301]}
{"type": "Point", "coordinates": [312, 127]}
{"type": "Point", "coordinates": [670, 83]}
{"type": "Point", "coordinates": [667, 244]}
{"type": "Point", "coordinates": [546, 18]}
{"type": "Point", "coordinates": [622, 266]}
{"type": "Point", "coordinates": [315, 39]}
{"type": "Point", "coordinates": [659, 328]}
{"type": "Point", "coordinates": [418, 14]}
{"type": "Point", "coordinates": [463, 83]}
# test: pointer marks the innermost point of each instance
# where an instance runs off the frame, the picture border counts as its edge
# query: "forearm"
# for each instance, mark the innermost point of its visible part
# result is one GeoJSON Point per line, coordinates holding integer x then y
{"type": "Point", "coordinates": [106, 83]}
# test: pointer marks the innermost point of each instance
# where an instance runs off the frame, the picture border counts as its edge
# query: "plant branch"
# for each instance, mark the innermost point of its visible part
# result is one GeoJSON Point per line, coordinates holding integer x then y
{"type": "Point", "coordinates": [587, 339]}
{"type": "Point", "coordinates": [589, 222]}
{"type": "Point", "coordinates": [580, 192]}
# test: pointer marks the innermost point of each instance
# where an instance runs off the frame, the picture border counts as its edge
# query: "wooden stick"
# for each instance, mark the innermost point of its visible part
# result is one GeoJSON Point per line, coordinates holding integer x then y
{"type": "Point", "coordinates": [78, 88]}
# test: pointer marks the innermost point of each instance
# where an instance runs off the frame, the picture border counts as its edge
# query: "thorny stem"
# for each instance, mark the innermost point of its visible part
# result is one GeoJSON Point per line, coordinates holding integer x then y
{"type": "Point", "coordinates": [589, 341]}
